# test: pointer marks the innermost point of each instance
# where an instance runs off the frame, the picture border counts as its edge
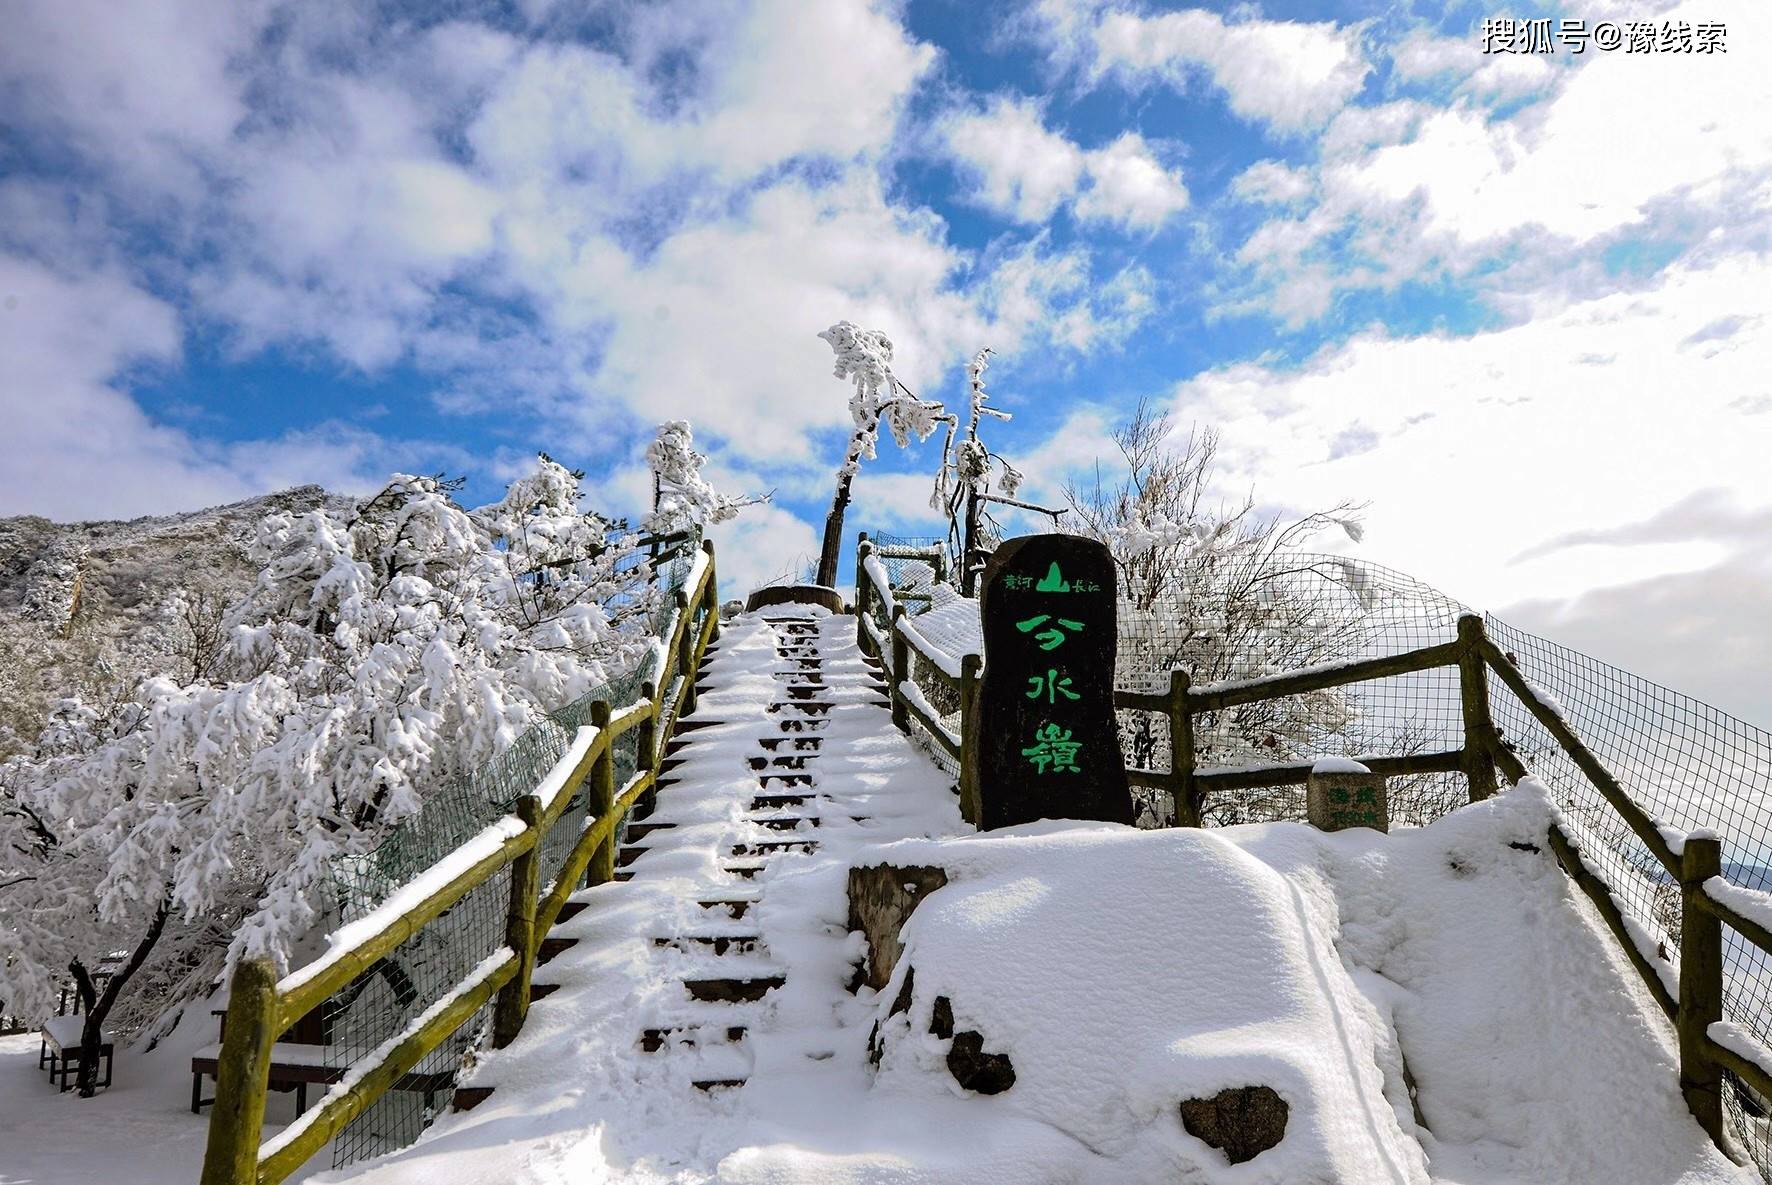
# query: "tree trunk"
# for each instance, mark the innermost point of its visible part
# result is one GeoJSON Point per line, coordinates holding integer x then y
{"type": "Point", "coordinates": [833, 533]}
{"type": "Point", "coordinates": [98, 1004]}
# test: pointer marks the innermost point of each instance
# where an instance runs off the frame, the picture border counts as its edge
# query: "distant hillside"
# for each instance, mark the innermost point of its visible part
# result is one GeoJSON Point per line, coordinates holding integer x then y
{"type": "Point", "coordinates": [89, 608]}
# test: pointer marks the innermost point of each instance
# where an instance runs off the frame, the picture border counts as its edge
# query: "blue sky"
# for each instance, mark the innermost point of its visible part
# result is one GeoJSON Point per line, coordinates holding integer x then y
{"type": "Point", "coordinates": [1518, 303]}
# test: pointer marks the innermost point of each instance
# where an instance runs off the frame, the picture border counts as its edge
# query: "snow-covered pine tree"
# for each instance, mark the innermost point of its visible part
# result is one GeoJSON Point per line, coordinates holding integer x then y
{"type": "Point", "coordinates": [377, 656]}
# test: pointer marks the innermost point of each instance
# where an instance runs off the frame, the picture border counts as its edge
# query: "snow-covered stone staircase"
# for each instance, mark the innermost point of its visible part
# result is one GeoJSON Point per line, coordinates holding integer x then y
{"type": "Point", "coordinates": [721, 959]}
{"type": "Point", "coordinates": [787, 766]}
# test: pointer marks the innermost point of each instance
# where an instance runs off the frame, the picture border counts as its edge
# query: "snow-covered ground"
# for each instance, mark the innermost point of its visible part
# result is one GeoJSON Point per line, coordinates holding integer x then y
{"type": "Point", "coordinates": [1121, 971]}
{"type": "Point", "coordinates": [140, 1131]}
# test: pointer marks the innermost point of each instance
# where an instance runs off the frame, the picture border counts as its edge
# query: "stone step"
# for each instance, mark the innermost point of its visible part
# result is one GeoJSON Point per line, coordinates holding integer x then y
{"type": "Point", "coordinates": [639, 831]}
{"type": "Point", "coordinates": [786, 779]}
{"type": "Point", "coordinates": [768, 847]}
{"type": "Point", "coordinates": [790, 761]}
{"type": "Point", "coordinates": [541, 991]}
{"type": "Point", "coordinates": [627, 855]}
{"type": "Point", "coordinates": [798, 744]}
{"type": "Point", "coordinates": [804, 709]}
{"type": "Point", "coordinates": [764, 802]}
{"type": "Point", "coordinates": [718, 944]}
{"type": "Point", "coordinates": [788, 822]}
{"type": "Point", "coordinates": [735, 907]}
{"type": "Point", "coordinates": [690, 1037]}
{"type": "Point", "coordinates": [551, 947]}
{"type": "Point", "coordinates": [747, 871]}
{"type": "Point", "coordinates": [803, 724]}
{"type": "Point", "coordinates": [570, 910]}
{"type": "Point", "coordinates": [733, 991]}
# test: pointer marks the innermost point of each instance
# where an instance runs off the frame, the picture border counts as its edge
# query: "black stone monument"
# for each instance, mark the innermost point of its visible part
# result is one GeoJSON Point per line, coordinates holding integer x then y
{"type": "Point", "coordinates": [1047, 745]}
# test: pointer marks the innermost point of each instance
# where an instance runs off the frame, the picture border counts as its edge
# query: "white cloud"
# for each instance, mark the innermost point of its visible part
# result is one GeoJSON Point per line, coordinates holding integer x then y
{"type": "Point", "coordinates": [1588, 417]}
{"type": "Point", "coordinates": [761, 544]}
{"type": "Point", "coordinates": [1022, 169]}
{"type": "Point", "coordinates": [1285, 74]}
{"type": "Point", "coordinates": [1026, 171]}
{"type": "Point", "coordinates": [1273, 183]}
{"type": "Point", "coordinates": [1130, 187]}
{"type": "Point", "coordinates": [596, 238]}
{"type": "Point", "coordinates": [1407, 190]}
{"type": "Point", "coordinates": [77, 445]}
{"type": "Point", "coordinates": [1423, 56]}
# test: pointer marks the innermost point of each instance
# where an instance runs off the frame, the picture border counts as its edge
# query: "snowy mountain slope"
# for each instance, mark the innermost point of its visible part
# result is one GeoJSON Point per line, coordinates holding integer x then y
{"type": "Point", "coordinates": [86, 607]}
{"type": "Point", "coordinates": [1121, 971]}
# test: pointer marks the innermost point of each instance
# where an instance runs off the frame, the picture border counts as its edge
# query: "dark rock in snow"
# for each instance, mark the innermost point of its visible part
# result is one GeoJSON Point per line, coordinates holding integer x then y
{"type": "Point", "coordinates": [974, 1069]}
{"type": "Point", "coordinates": [941, 1018]}
{"type": "Point", "coordinates": [1243, 1122]}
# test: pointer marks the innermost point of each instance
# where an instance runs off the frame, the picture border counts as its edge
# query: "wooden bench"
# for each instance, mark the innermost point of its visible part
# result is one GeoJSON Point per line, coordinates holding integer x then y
{"type": "Point", "coordinates": [299, 1063]}
{"type": "Point", "coordinates": [60, 1050]}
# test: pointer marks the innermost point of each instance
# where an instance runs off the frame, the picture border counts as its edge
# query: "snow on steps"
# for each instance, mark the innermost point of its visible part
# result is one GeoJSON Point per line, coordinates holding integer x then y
{"type": "Point", "coordinates": [749, 782]}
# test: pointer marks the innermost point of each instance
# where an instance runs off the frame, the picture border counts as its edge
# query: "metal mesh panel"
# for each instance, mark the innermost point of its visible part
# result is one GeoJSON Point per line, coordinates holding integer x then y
{"type": "Point", "coordinates": [1687, 764]}
{"type": "Point", "coordinates": [379, 1004]}
{"type": "Point", "coordinates": [912, 575]}
{"type": "Point", "coordinates": [945, 700]}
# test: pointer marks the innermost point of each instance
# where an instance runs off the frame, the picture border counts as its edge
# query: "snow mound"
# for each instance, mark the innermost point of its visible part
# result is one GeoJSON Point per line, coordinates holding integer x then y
{"type": "Point", "coordinates": [1123, 972]}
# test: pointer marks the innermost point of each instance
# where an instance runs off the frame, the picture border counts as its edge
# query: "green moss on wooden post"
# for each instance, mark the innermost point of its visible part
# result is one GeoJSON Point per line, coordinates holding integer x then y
{"type": "Point", "coordinates": [646, 746]}
{"type": "Point", "coordinates": [1181, 751]}
{"type": "Point", "coordinates": [686, 655]}
{"type": "Point", "coordinates": [600, 789]}
{"type": "Point", "coordinates": [242, 1075]}
{"type": "Point", "coordinates": [899, 671]}
{"type": "Point", "coordinates": [1480, 738]}
{"type": "Point", "coordinates": [1701, 984]}
{"type": "Point", "coordinates": [520, 936]}
{"type": "Point", "coordinates": [970, 808]}
{"type": "Point", "coordinates": [711, 594]}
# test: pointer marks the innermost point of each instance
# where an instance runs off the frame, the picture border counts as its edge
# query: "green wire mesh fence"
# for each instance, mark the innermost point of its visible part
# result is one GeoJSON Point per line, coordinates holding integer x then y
{"type": "Point", "coordinates": [384, 1000]}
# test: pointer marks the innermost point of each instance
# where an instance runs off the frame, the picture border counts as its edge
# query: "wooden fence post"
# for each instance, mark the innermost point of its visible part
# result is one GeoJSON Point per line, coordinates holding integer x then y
{"type": "Point", "coordinates": [513, 998]}
{"type": "Point", "coordinates": [1480, 738]}
{"type": "Point", "coordinates": [970, 664]}
{"type": "Point", "coordinates": [1181, 751]}
{"type": "Point", "coordinates": [686, 656]}
{"type": "Point", "coordinates": [242, 1076]}
{"type": "Point", "coordinates": [600, 798]}
{"type": "Point", "coordinates": [899, 670]}
{"type": "Point", "coordinates": [863, 549]}
{"type": "Point", "coordinates": [646, 756]}
{"type": "Point", "coordinates": [1701, 983]}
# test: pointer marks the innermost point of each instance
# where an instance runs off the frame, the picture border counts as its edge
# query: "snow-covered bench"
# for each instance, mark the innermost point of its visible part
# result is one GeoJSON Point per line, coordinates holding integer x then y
{"type": "Point", "coordinates": [60, 1050]}
{"type": "Point", "coordinates": [298, 1064]}
{"type": "Point", "coordinates": [292, 1065]}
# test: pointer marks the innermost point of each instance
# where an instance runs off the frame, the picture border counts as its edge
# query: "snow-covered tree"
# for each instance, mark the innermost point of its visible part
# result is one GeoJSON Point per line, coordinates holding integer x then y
{"type": "Point", "coordinates": [1221, 592]}
{"type": "Point", "coordinates": [864, 358]}
{"type": "Point", "coordinates": [967, 470]}
{"type": "Point", "coordinates": [378, 656]}
{"type": "Point", "coordinates": [681, 496]}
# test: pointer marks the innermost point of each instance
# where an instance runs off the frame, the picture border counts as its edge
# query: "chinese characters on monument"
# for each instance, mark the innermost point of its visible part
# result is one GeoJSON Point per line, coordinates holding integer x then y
{"type": "Point", "coordinates": [1048, 746]}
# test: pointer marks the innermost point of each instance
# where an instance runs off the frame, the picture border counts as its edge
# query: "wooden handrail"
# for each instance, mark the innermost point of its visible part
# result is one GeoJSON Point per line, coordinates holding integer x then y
{"type": "Point", "coordinates": [265, 1007]}
{"type": "Point", "coordinates": [1211, 697]}
{"type": "Point", "coordinates": [1691, 998]}
{"type": "Point", "coordinates": [1647, 829]}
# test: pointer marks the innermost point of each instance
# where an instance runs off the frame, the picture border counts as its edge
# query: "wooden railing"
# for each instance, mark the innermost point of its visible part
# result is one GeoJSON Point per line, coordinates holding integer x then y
{"type": "Point", "coordinates": [1691, 994]}
{"type": "Point", "coordinates": [261, 1006]}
